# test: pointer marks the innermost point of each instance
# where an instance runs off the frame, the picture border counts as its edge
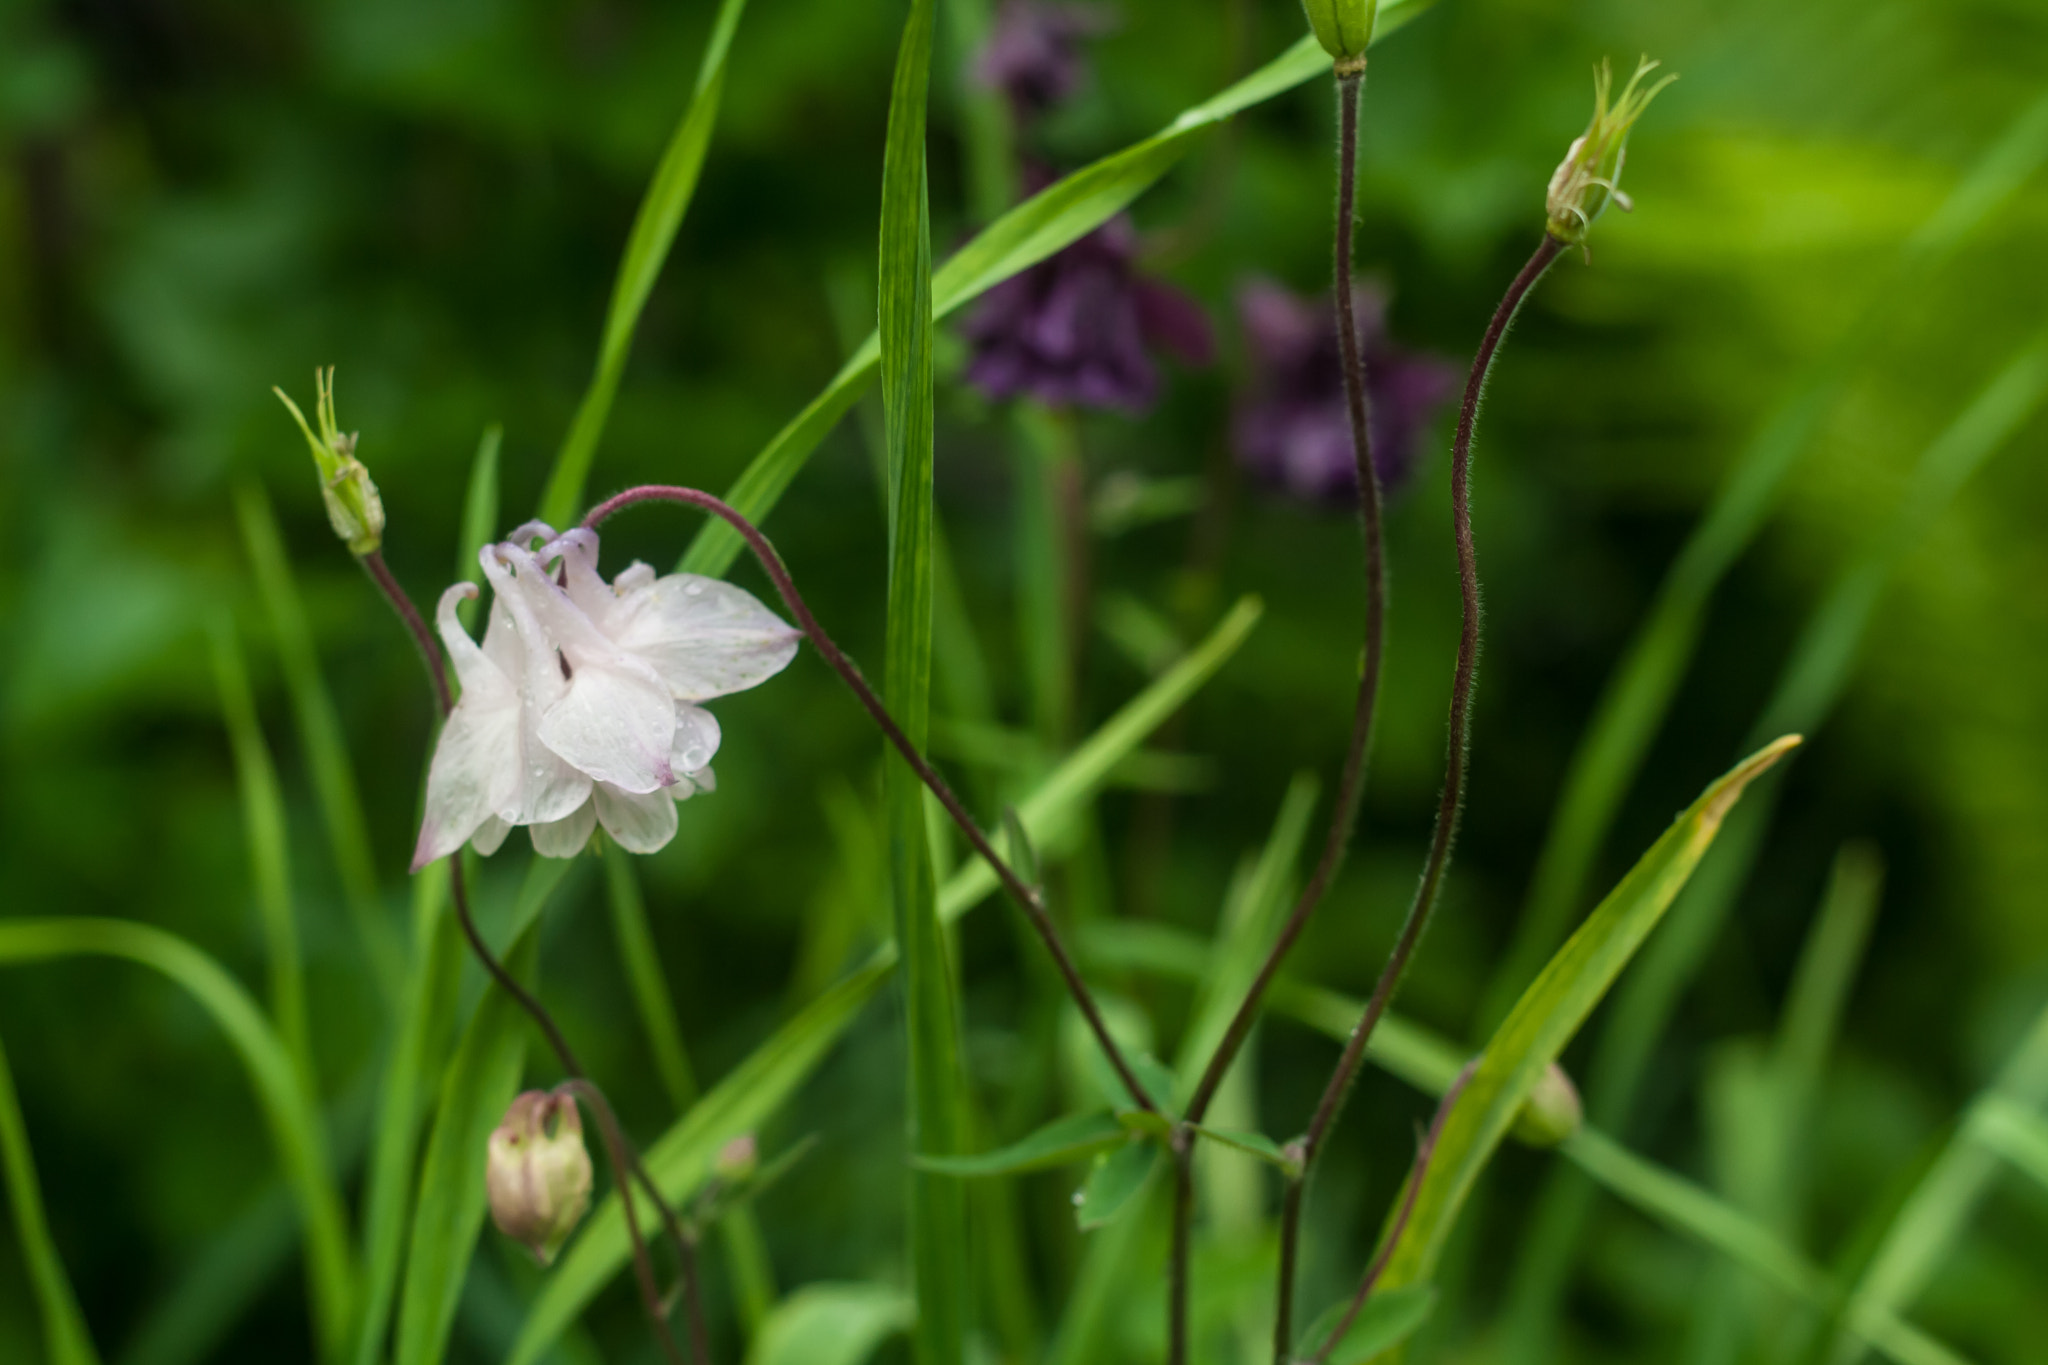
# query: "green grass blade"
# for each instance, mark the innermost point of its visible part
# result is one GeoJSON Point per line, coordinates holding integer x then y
{"type": "Point", "coordinates": [1812, 681]}
{"type": "Point", "coordinates": [1027, 234]}
{"type": "Point", "coordinates": [65, 1337]}
{"type": "Point", "coordinates": [422, 1026]}
{"type": "Point", "coordinates": [263, 826]}
{"type": "Point", "coordinates": [1638, 695]}
{"type": "Point", "coordinates": [643, 973]}
{"type": "Point", "coordinates": [2015, 1133]}
{"type": "Point", "coordinates": [1550, 1012]}
{"type": "Point", "coordinates": [936, 1079]}
{"type": "Point", "coordinates": [1059, 1143]}
{"type": "Point", "coordinates": [1048, 813]}
{"type": "Point", "coordinates": [1387, 1320]}
{"type": "Point", "coordinates": [681, 1160]}
{"type": "Point", "coordinates": [287, 1106]}
{"type": "Point", "coordinates": [831, 1324]}
{"type": "Point", "coordinates": [480, 1081]}
{"type": "Point", "coordinates": [334, 780]}
{"type": "Point", "coordinates": [1923, 1233]}
{"type": "Point", "coordinates": [647, 247]}
{"type": "Point", "coordinates": [479, 514]}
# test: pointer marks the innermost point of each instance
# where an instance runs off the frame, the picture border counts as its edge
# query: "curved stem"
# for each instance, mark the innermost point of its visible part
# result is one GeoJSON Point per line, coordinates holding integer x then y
{"type": "Point", "coordinates": [625, 1161]}
{"type": "Point", "coordinates": [1026, 897]}
{"type": "Point", "coordinates": [1451, 806]}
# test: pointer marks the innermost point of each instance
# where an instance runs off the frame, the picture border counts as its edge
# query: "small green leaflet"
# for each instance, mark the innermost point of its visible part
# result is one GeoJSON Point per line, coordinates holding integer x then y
{"type": "Point", "coordinates": [1058, 1143]}
{"type": "Point", "coordinates": [1115, 1182]}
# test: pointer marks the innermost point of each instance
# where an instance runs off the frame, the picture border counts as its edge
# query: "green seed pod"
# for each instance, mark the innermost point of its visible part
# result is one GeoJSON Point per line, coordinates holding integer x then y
{"type": "Point", "coordinates": [538, 1174]}
{"type": "Point", "coordinates": [1552, 1112]}
{"type": "Point", "coordinates": [353, 508]}
{"type": "Point", "coordinates": [1344, 28]}
{"type": "Point", "coordinates": [1590, 174]}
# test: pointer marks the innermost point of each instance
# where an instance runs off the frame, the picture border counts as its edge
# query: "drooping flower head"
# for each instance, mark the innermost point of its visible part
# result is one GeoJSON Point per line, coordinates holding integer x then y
{"type": "Point", "coordinates": [581, 707]}
{"type": "Point", "coordinates": [537, 1173]}
{"type": "Point", "coordinates": [1590, 174]}
{"type": "Point", "coordinates": [1033, 53]}
{"type": "Point", "coordinates": [1076, 330]}
{"type": "Point", "coordinates": [1293, 431]}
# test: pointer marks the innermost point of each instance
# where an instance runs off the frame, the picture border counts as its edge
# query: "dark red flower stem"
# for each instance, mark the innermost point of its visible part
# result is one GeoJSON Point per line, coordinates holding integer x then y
{"type": "Point", "coordinates": [1027, 898]}
{"type": "Point", "coordinates": [625, 1161]}
{"type": "Point", "coordinates": [1424, 1149]}
{"type": "Point", "coordinates": [1457, 758]}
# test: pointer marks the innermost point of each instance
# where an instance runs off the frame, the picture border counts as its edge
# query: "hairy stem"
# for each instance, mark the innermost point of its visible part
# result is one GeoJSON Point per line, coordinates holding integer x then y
{"type": "Point", "coordinates": [1451, 805]}
{"type": "Point", "coordinates": [1027, 898]}
{"type": "Point", "coordinates": [625, 1161]}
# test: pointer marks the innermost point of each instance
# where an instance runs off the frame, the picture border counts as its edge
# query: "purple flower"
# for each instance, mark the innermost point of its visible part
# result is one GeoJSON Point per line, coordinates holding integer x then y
{"type": "Point", "coordinates": [1293, 431]}
{"type": "Point", "coordinates": [1074, 329]}
{"type": "Point", "coordinates": [1033, 53]}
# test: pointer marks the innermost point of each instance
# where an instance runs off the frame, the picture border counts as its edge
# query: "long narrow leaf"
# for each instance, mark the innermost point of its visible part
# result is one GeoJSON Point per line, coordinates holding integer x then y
{"type": "Point", "coordinates": [647, 247]}
{"type": "Point", "coordinates": [1550, 1012]}
{"type": "Point", "coordinates": [263, 826]}
{"type": "Point", "coordinates": [480, 1081]}
{"type": "Point", "coordinates": [64, 1332]}
{"type": "Point", "coordinates": [1057, 215]}
{"type": "Point", "coordinates": [334, 779]}
{"type": "Point", "coordinates": [643, 973]}
{"type": "Point", "coordinates": [280, 1092]}
{"type": "Point", "coordinates": [831, 1324]}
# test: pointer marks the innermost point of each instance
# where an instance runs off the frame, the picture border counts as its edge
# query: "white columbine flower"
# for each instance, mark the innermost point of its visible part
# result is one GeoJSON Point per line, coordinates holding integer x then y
{"type": "Point", "coordinates": [579, 708]}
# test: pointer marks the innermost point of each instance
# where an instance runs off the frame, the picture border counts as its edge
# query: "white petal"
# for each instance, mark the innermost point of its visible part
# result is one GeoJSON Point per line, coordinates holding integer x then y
{"type": "Point", "coordinates": [550, 787]}
{"type": "Point", "coordinates": [696, 740]}
{"type": "Point", "coordinates": [489, 836]}
{"type": "Point", "coordinates": [577, 550]}
{"type": "Point", "coordinates": [641, 823]}
{"type": "Point", "coordinates": [632, 579]}
{"type": "Point", "coordinates": [689, 784]}
{"type": "Point", "coordinates": [568, 836]}
{"type": "Point", "coordinates": [613, 719]}
{"type": "Point", "coordinates": [704, 636]}
{"type": "Point", "coordinates": [476, 762]}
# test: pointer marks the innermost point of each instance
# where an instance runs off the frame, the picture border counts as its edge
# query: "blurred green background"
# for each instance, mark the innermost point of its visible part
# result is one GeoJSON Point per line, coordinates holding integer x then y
{"type": "Point", "coordinates": [201, 199]}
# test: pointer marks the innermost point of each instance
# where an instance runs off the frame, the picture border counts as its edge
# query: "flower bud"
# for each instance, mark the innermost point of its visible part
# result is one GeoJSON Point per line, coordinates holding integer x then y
{"type": "Point", "coordinates": [1590, 174]}
{"type": "Point", "coordinates": [738, 1160]}
{"type": "Point", "coordinates": [538, 1175]}
{"type": "Point", "coordinates": [1344, 28]}
{"type": "Point", "coordinates": [1552, 1112]}
{"type": "Point", "coordinates": [353, 508]}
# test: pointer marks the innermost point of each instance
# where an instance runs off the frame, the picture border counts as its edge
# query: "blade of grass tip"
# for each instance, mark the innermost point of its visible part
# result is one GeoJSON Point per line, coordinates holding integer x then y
{"type": "Point", "coordinates": [1054, 217]}
{"type": "Point", "coordinates": [647, 246]}
{"type": "Point", "coordinates": [263, 827]}
{"type": "Point", "coordinates": [479, 1082]}
{"type": "Point", "coordinates": [936, 1078]}
{"type": "Point", "coordinates": [1049, 812]}
{"type": "Point", "coordinates": [334, 780]}
{"type": "Point", "coordinates": [65, 1337]}
{"type": "Point", "coordinates": [280, 1092]}
{"type": "Point", "coordinates": [415, 1055]}
{"type": "Point", "coordinates": [1631, 709]}
{"type": "Point", "coordinates": [479, 514]}
{"type": "Point", "coordinates": [753, 1276]}
{"type": "Point", "coordinates": [1812, 680]}
{"type": "Point", "coordinates": [1551, 1012]}
{"type": "Point", "coordinates": [1923, 1233]}
{"type": "Point", "coordinates": [682, 1158]}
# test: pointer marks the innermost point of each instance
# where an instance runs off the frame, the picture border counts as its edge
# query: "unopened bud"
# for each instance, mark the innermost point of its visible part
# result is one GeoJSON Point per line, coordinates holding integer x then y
{"type": "Point", "coordinates": [353, 508]}
{"type": "Point", "coordinates": [538, 1175]}
{"type": "Point", "coordinates": [1552, 1112]}
{"type": "Point", "coordinates": [738, 1159]}
{"type": "Point", "coordinates": [1344, 28]}
{"type": "Point", "coordinates": [1590, 174]}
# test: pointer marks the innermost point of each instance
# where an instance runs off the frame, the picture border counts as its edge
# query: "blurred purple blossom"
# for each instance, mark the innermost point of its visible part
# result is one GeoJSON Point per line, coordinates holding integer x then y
{"type": "Point", "coordinates": [1074, 330]}
{"type": "Point", "coordinates": [1033, 53]}
{"type": "Point", "coordinates": [1292, 431]}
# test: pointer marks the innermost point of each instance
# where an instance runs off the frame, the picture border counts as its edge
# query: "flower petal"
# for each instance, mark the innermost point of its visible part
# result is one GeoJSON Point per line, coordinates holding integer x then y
{"type": "Point", "coordinates": [568, 836]}
{"type": "Point", "coordinates": [705, 637]}
{"type": "Point", "coordinates": [549, 787]}
{"type": "Point", "coordinates": [489, 836]}
{"type": "Point", "coordinates": [643, 822]}
{"type": "Point", "coordinates": [696, 740]}
{"type": "Point", "coordinates": [689, 784]}
{"type": "Point", "coordinates": [476, 762]}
